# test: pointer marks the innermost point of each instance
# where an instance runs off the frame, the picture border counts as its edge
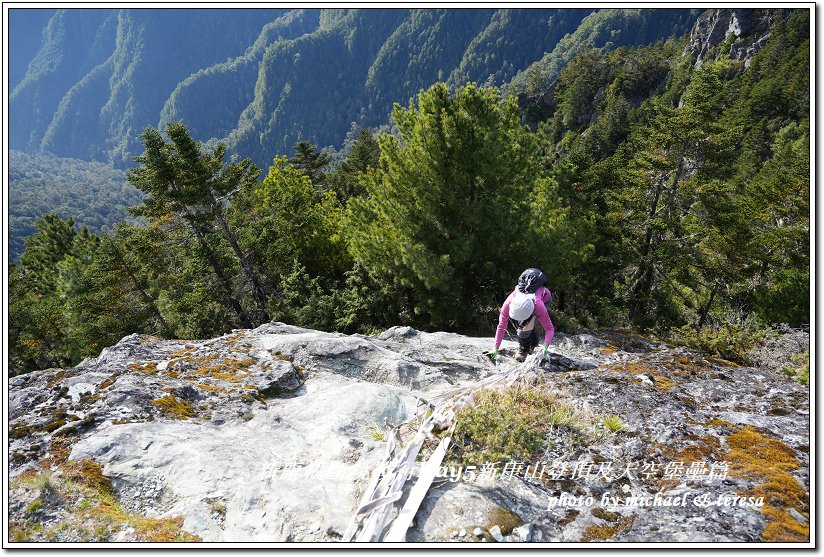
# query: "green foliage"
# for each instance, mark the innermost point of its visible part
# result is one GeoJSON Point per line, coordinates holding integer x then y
{"type": "Point", "coordinates": [802, 372]}
{"type": "Point", "coordinates": [363, 154]}
{"type": "Point", "coordinates": [182, 180]}
{"type": "Point", "coordinates": [674, 172]}
{"type": "Point", "coordinates": [374, 432]}
{"type": "Point", "coordinates": [93, 194]}
{"type": "Point", "coordinates": [612, 423]}
{"type": "Point", "coordinates": [302, 301]}
{"type": "Point", "coordinates": [731, 341]}
{"type": "Point", "coordinates": [310, 161]}
{"type": "Point", "coordinates": [605, 29]}
{"type": "Point", "coordinates": [37, 324]}
{"type": "Point", "coordinates": [656, 195]}
{"type": "Point", "coordinates": [284, 219]}
{"type": "Point", "coordinates": [458, 206]}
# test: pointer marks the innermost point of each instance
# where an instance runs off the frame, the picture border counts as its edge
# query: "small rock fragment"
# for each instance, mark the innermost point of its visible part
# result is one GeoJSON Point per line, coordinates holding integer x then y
{"type": "Point", "coordinates": [797, 515]}
{"type": "Point", "coordinates": [462, 533]}
{"type": "Point", "coordinates": [496, 533]}
{"type": "Point", "coordinates": [524, 533]}
{"type": "Point", "coordinates": [478, 532]}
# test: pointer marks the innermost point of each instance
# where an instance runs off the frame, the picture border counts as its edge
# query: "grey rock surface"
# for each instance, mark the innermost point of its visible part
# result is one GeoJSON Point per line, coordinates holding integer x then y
{"type": "Point", "coordinates": [271, 434]}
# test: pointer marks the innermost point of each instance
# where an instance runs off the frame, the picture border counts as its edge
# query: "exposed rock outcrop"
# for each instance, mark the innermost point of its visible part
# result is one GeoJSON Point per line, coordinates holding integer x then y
{"type": "Point", "coordinates": [270, 435]}
{"type": "Point", "coordinates": [748, 28]}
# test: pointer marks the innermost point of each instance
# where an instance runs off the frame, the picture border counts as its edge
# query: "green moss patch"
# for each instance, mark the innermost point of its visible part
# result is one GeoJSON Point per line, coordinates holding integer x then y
{"type": "Point", "coordinates": [505, 519]}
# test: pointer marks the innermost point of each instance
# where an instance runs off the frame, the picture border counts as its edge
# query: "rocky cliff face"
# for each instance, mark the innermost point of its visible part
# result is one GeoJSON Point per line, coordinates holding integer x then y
{"type": "Point", "coordinates": [746, 30]}
{"type": "Point", "coordinates": [271, 435]}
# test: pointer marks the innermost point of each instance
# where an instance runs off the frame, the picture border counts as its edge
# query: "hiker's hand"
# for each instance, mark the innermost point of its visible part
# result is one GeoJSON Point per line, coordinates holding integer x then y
{"type": "Point", "coordinates": [545, 350]}
{"type": "Point", "coordinates": [493, 354]}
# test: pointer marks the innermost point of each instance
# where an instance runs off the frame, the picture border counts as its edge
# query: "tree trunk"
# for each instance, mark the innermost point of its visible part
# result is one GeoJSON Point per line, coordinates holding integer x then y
{"type": "Point", "coordinates": [641, 282]}
{"type": "Point", "coordinates": [245, 320]}
{"type": "Point", "coordinates": [258, 292]}
{"type": "Point", "coordinates": [706, 309]}
{"type": "Point", "coordinates": [143, 294]}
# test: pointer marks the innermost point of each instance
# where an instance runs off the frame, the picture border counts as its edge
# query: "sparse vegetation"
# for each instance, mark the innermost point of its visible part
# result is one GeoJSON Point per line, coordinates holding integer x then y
{"type": "Point", "coordinates": [512, 424]}
{"type": "Point", "coordinates": [84, 508]}
{"type": "Point", "coordinates": [802, 372]}
{"type": "Point", "coordinates": [612, 423]}
{"type": "Point", "coordinates": [730, 341]}
{"type": "Point", "coordinates": [607, 531]}
{"type": "Point", "coordinates": [374, 432]}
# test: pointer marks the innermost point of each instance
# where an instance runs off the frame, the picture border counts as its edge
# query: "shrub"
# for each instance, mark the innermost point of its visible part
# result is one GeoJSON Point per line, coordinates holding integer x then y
{"type": "Point", "coordinates": [802, 372]}
{"type": "Point", "coordinates": [731, 341]}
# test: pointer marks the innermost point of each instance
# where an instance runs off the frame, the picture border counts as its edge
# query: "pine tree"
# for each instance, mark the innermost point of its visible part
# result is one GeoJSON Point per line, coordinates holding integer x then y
{"type": "Point", "coordinates": [183, 180]}
{"type": "Point", "coordinates": [344, 178]}
{"type": "Point", "coordinates": [310, 161]}
{"type": "Point", "coordinates": [458, 206]}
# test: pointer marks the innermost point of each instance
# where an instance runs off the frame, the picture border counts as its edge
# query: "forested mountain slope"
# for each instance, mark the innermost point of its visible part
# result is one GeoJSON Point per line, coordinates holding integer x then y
{"type": "Point", "coordinates": [263, 79]}
{"type": "Point", "coordinates": [92, 193]}
{"type": "Point", "coordinates": [664, 187]}
{"type": "Point", "coordinates": [101, 76]}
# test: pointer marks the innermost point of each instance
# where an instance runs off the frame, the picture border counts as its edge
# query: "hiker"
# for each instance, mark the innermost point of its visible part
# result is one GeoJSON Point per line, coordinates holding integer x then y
{"type": "Point", "coordinates": [525, 306]}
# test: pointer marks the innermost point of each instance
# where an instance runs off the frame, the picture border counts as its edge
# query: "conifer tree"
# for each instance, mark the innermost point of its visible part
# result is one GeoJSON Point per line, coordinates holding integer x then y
{"type": "Point", "coordinates": [458, 206]}
{"type": "Point", "coordinates": [183, 180]}
{"type": "Point", "coordinates": [310, 161]}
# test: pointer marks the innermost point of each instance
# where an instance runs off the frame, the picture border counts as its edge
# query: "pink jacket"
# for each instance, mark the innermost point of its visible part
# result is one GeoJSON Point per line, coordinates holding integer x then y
{"type": "Point", "coordinates": [542, 296]}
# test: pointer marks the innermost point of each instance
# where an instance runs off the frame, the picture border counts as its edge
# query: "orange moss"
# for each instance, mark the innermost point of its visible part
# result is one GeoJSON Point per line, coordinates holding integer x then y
{"type": "Point", "coordinates": [88, 473]}
{"type": "Point", "coordinates": [633, 368]}
{"type": "Point", "coordinates": [782, 527]}
{"type": "Point", "coordinates": [720, 362]}
{"type": "Point", "coordinates": [753, 455]}
{"type": "Point", "coordinates": [149, 367]}
{"type": "Point", "coordinates": [184, 352]}
{"type": "Point", "coordinates": [280, 356]}
{"type": "Point", "coordinates": [706, 447]}
{"type": "Point", "coordinates": [54, 425]}
{"type": "Point", "coordinates": [60, 449]}
{"type": "Point", "coordinates": [150, 338]}
{"type": "Point", "coordinates": [663, 383]}
{"type": "Point", "coordinates": [229, 369]}
{"type": "Point", "coordinates": [718, 422]}
{"type": "Point", "coordinates": [210, 388]}
{"type": "Point", "coordinates": [146, 529]}
{"type": "Point", "coordinates": [608, 531]}
{"type": "Point", "coordinates": [174, 407]}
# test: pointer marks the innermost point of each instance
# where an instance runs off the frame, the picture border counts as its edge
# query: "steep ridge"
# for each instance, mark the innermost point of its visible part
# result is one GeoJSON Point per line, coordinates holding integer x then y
{"type": "Point", "coordinates": [263, 79]}
{"type": "Point", "coordinates": [228, 87]}
{"type": "Point", "coordinates": [270, 434]}
{"type": "Point", "coordinates": [90, 98]}
{"type": "Point", "coordinates": [26, 27]}
{"type": "Point", "coordinates": [609, 29]}
{"type": "Point", "coordinates": [65, 56]}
